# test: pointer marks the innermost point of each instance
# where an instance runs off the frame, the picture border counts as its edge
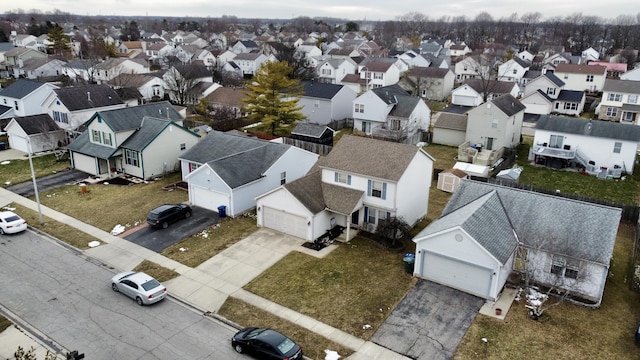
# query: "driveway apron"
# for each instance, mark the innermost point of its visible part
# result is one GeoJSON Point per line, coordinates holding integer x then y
{"type": "Point", "coordinates": [429, 322]}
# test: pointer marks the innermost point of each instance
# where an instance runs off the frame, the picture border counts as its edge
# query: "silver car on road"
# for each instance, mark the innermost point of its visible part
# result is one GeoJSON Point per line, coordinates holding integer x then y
{"type": "Point", "coordinates": [139, 286]}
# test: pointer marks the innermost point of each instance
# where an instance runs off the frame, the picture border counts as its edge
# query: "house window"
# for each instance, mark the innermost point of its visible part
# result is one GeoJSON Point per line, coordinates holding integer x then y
{"type": "Point", "coordinates": [494, 124]}
{"type": "Point", "coordinates": [316, 104]}
{"type": "Point", "coordinates": [16, 103]}
{"type": "Point", "coordinates": [326, 72]}
{"type": "Point", "coordinates": [131, 158]}
{"type": "Point", "coordinates": [61, 117]}
{"type": "Point", "coordinates": [563, 267]}
{"type": "Point", "coordinates": [106, 138]}
{"type": "Point", "coordinates": [373, 215]}
{"type": "Point", "coordinates": [366, 127]}
{"type": "Point", "coordinates": [183, 146]}
{"type": "Point", "coordinates": [394, 124]}
{"type": "Point", "coordinates": [589, 78]}
{"type": "Point", "coordinates": [566, 76]}
{"type": "Point", "coordinates": [283, 178]}
{"type": "Point", "coordinates": [193, 166]}
{"type": "Point", "coordinates": [555, 141]}
{"type": "Point", "coordinates": [570, 106]}
{"type": "Point", "coordinates": [359, 108]}
{"type": "Point", "coordinates": [614, 97]}
{"type": "Point", "coordinates": [371, 218]}
{"type": "Point", "coordinates": [612, 111]}
{"type": "Point", "coordinates": [377, 189]}
{"type": "Point", "coordinates": [424, 93]}
{"type": "Point", "coordinates": [617, 147]}
{"type": "Point", "coordinates": [632, 99]}
{"type": "Point", "coordinates": [515, 71]}
{"type": "Point", "coordinates": [96, 136]}
{"type": "Point", "coordinates": [342, 178]}
{"type": "Point", "coordinates": [378, 76]}
{"type": "Point", "coordinates": [551, 91]}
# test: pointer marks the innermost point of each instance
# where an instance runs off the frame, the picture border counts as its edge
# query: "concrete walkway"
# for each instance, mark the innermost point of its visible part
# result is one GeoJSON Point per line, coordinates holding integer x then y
{"type": "Point", "coordinates": [208, 286]}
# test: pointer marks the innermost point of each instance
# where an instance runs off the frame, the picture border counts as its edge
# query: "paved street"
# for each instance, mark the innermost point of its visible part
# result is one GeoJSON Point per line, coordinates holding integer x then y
{"type": "Point", "coordinates": [67, 296]}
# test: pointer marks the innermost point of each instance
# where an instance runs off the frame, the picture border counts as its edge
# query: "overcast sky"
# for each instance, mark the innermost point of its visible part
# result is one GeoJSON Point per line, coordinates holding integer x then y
{"type": "Point", "coordinates": [363, 9]}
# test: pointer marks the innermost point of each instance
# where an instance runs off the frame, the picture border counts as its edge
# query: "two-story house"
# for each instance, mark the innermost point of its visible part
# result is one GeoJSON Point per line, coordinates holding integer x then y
{"type": "Point", "coordinates": [620, 101]}
{"type": "Point", "coordinates": [472, 92]}
{"type": "Point", "coordinates": [143, 141]}
{"type": "Point", "coordinates": [582, 77]}
{"type": "Point", "coordinates": [603, 148]}
{"type": "Point", "coordinates": [429, 83]}
{"type": "Point", "coordinates": [377, 74]}
{"type": "Point", "coordinates": [72, 106]}
{"type": "Point", "coordinates": [513, 70]}
{"type": "Point", "coordinates": [360, 182]}
{"type": "Point", "coordinates": [110, 68]}
{"type": "Point", "coordinates": [249, 63]}
{"type": "Point", "coordinates": [472, 67]}
{"type": "Point", "coordinates": [151, 88]}
{"type": "Point", "coordinates": [323, 103]}
{"type": "Point", "coordinates": [391, 113]}
{"type": "Point", "coordinates": [24, 98]}
{"type": "Point", "coordinates": [545, 94]}
{"type": "Point", "coordinates": [39, 68]}
{"type": "Point", "coordinates": [333, 70]}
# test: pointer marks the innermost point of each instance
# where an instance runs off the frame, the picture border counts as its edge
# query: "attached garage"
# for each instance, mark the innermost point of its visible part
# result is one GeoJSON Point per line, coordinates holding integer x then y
{"type": "Point", "coordinates": [457, 274]}
{"type": "Point", "coordinates": [208, 199]}
{"type": "Point", "coordinates": [84, 163]}
{"type": "Point", "coordinates": [464, 100]}
{"type": "Point", "coordinates": [285, 222]}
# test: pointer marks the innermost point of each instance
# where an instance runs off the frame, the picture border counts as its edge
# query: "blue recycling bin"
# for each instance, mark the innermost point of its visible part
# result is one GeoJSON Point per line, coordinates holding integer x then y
{"type": "Point", "coordinates": [3, 146]}
{"type": "Point", "coordinates": [222, 211]}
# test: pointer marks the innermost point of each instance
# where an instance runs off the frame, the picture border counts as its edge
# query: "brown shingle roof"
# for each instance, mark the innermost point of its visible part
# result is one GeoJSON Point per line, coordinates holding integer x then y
{"type": "Point", "coordinates": [581, 69]}
{"type": "Point", "coordinates": [451, 121]}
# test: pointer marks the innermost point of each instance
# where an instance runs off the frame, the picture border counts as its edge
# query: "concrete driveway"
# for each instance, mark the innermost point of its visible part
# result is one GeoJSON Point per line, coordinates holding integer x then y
{"type": "Point", "coordinates": [429, 322]}
{"type": "Point", "coordinates": [160, 239]}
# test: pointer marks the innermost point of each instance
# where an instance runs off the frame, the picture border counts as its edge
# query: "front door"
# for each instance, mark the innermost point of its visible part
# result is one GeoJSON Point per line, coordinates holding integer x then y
{"type": "Point", "coordinates": [355, 217]}
{"type": "Point", "coordinates": [490, 143]}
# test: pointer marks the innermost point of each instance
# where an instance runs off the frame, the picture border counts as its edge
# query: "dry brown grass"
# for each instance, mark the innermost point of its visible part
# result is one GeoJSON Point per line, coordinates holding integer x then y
{"type": "Point", "coordinates": [211, 241]}
{"type": "Point", "coordinates": [18, 171]}
{"type": "Point", "coordinates": [160, 273]}
{"type": "Point", "coordinates": [573, 331]}
{"type": "Point", "coordinates": [313, 345]}
{"type": "Point", "coordinates": [105, 206]}
{"type": "Point", "coordinates": [4, 323]}
{"type": "Point", "coordinates": [58, 230]}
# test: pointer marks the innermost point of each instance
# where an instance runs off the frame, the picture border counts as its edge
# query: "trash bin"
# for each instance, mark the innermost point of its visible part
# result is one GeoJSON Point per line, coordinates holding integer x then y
{"type": "Point", "coordinates": [3, 146]}
{"type": "Point", "coordinates": [409, 262]}
{"type": "Point", "coordinates": [638, 335]}
{"type": "Point", "coordinates": [222, 211]}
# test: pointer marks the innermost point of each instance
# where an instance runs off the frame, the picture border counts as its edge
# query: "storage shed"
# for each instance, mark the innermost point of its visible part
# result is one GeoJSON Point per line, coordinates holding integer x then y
{"type": "Point", "coordinates": [449, 179]}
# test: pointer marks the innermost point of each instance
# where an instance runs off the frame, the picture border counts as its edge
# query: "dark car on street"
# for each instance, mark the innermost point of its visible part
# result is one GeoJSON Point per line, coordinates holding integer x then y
{"type": "Point", "coordinates": [265, 343]}
{"type": "Point", "coordinates": [166, 214]}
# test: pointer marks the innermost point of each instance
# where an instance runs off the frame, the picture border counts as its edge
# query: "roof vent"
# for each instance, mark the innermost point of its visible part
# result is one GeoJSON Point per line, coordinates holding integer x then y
{"type": "Point", "coordinates": [88, 95]}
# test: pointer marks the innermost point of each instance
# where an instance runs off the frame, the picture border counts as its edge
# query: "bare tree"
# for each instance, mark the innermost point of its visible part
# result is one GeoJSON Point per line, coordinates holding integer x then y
{"type": "Point", "coordinates": [392, 231]}
{"type": "Point", "coordinates": [413, 23]}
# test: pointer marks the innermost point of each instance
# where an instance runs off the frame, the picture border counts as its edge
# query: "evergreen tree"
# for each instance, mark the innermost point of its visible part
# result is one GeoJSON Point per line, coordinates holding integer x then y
{"type": "Point", "coordinates": [60, 41]}
{"type": "Point", "coordinates": [273, 96]}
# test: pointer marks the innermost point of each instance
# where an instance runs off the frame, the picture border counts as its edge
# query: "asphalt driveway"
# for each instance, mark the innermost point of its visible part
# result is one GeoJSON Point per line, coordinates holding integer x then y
{"type": "Point", "coordinates": [48, 182]}
{"type": "Point", "coordinates": [160, 239]}
{"type": "Point", "coordinates": [429, 322]}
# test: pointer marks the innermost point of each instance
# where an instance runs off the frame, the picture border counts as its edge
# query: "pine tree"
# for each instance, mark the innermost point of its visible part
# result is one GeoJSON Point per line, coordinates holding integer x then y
{"type": "Point", "coordinates": [273, 97]}
{"type": "Point", "coordinates": [60, 41]}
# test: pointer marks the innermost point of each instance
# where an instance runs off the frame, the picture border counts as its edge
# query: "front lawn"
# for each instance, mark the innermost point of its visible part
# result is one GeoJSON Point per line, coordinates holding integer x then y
{"type": "Point", "coordinates": [18, 171]}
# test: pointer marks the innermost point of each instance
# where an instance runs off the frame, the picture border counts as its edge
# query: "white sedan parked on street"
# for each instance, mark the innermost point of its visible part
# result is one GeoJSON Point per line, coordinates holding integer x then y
{"type": "Point", "coordinates": [11, 223]}
{"type": "Point", "coordinates": [139, 286]}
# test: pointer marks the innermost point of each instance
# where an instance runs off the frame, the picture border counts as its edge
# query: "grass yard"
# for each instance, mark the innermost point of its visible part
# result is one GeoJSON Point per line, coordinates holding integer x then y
{"type": "Point", "coordinates": [160, 273]}
{"type": "Point", "coordinates": [573, 331]}
{"type": "Point", "coordinates": [313, 345]}
{"type": "Point", "coordinates": [105, 206]}
{"type": "Point", "coordinates": [19, 171]}
{"type": "Point", "coordinates": [207, 243]}
{"type": "Point", "coordinates": [4, 323]}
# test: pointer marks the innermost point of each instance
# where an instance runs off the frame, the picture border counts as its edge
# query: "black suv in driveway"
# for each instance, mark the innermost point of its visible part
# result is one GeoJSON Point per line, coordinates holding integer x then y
{"type": "Point", "coordinates": [166, 214]}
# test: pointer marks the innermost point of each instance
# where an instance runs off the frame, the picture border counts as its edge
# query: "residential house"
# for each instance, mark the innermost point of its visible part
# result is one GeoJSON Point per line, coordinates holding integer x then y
{"type": "Point", "coordinates": [590, 54]}
{"type": "Point", "coordinates": [308, 53]}
{"type": "Point", "coordinates": [459, 50]}
{"type": "Point", "coordinates": [526, 56]}
{"type": "Point", "coordinates": [72, 106]}
{"type": "Point", "coordinates": [224, 57]}
{"type": "Point", "coordinates": [552, 61]}
{"type": "Point", "coordinates": [472, 67]}
{"type": "Point", "coordinates": [333, 70]}
{"type": "Point", "coordinates": [39, 68]}
{"type": "Point", "coordinates": [227, 98]}
{"type": "Point", "coordinates": [182, 82]}
{"type": "Point", "coordinates": [631, 75]}
{"type": "Point", "coordinates": [110, 68]}
{"type": "Point", "coordinates": [471, 93]}
{"type": "Point", "coordinates": [131, 49]}
{"type": "Point", "coordinates": [4, 47]}
{"type": "Point", "coordinates": [582, 77]}
{"type": "Point", "coordinates": [230, 170]}
{"type": "Point", "coordinates": [337, 53]}
{"type": "Point", "coordinates": [429, 83]}
{"type": "Point", "coordinates": [413, 58]}
{"type": "Point", "coordinates": [245, 46]}
{"type": "Point", "coordinates": [80, 70]}
{"type": "Point", "coordinates": [18, 55]}
{"type": "Point", "coordinates": [491, 127]}
{"type": "Point", "coordinates": [324, 103]}
{"type": "Point", "coordinates": [486, 232]}
{"type": "Point", "coordinates": [545, 95]}
{"type": "Point", "coordinates": [620, 101]}
{"type": "Point", "coordinates": [449, 128]}
{"type": "Point", "coordinates": [391, 113]}
{"type": "Point", "coordinates": [143, 141]}
{"type": "Point", "coordinates": [614, 70]}
{"type": "Point", "coordinates": [513, 70]}
{"type": "Point", "coordinates": [603, 148]}
{"type": "Point", "coordinates": [158, 52]}
{"type": "Point", "coordinates": [35, 133]}
{"type": "Point", "coordinates": [151, 88]}
{"type": "Point", "coordinates": [359, 183]}
{"type": "Point", "coordinates": [376, 74]}
{"type": "Point", "coordinates": [249, 63]}
{"type": "Point", "coordinates": [24, 98]}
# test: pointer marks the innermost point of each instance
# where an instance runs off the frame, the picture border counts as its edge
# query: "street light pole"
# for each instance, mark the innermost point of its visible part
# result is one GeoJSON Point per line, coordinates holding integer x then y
{"type": "Point", "coordinates": [33, 177]}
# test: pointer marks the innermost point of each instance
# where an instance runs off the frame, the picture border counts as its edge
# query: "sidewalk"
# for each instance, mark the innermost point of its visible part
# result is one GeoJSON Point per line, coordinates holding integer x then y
{"type": "Point", "coordinates": [208, 286]}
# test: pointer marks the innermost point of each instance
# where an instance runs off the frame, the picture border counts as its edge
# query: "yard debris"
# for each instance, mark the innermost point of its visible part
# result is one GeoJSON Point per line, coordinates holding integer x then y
{"type": "Point", "coordinates": [484, 340]}
{"type": "Point", "coordinates": [6, 162]}
{"type": "Point", "coordinates": [117, 230]}
{"type": "Point", "coordinates": [93, 244]}
{"type": "Point", "coordinates": [183, 249]}
{"type": "Point", "coordinates": [331, 355]}
{"type": "Point", "coordinates": [7, 182]}
{"type": "Point", "coordinates": [518, 295]}
{"type": "Point", "coordinates": [366, 327]}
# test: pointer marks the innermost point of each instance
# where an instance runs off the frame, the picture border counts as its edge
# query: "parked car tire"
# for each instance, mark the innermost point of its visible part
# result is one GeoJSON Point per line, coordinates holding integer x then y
{"type": "Point", "coordinates": [187, 214]}
{"type": "Point", "coordinates": [165, 225]}
{"type": "Point", "coordinates": [139, 300]}
{"type": "Point", "coordinates": [1, 232]}
{"type": "Point", "coordinates": [114, 287]}
{"type": "Point", "coordinates": [238, 348]}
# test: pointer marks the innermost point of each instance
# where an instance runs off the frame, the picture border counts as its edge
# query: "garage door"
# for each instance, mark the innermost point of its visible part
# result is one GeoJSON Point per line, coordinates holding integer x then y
{"type": "Point", "coordinates": [285, 222]}
{"type": "Point", "coordinates": [84, 163]}
{"type": "Point", "coordinates": [464, 100]}
{"type": "Point", "coordinates": [457, 274]}
{"type": "Point", "coordinates": [208, 199]}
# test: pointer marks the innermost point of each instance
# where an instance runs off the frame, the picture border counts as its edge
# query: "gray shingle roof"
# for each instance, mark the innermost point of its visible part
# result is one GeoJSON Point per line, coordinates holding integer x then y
{"type": "Point", "coordinates": [508, 104]}
{"type": "Point", "coordinates": [486, 220]}
{"type": "Point", "coordinates": [238, 160]}
{"type": "Point", "coordinates": [150, 128]}
{"type": "Point", "coordinates": [82, 145]}
{"type": "Point", "coordinates": [87, 97]}
{"type": "Point", "coordinates": [317, 196]}
{"type": "Point", "coordinates": [370, 157]}
{"type": "Point", "coordinates": [315, 89]}
{"type": "Point", "coordinates": [21, 88]}
{"type": "Point", "coordinates": [595, 128]}
{"type": "Point", "coordinates": [451, 121]}
{"type": "Point", "coordinates": [130, 117]}
{"type": "Point", "coordinates": [390, 93]}
{"type": "Point", "coordinates": [311, 130]}
{"type": "Point", "coordinates": [571, 95]}
{"type": "Point", "coordinates": [623, 86]}
{"type": "Point", "coordinates": [405, 106]}
{"type": "Point", "coordinates": [554, 79]}
{"type": "Point", "coordinates": [551, 223]}
{"type": "Point", "coordinates": [36, 124]}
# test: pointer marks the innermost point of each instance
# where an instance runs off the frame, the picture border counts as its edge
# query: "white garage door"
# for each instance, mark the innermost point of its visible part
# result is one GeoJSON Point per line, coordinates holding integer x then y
{"type": "Point", "coordinates": [464, 100]}
{"type": "Point", "coordinates": [84, 163]}
{"type": "Point", "coordinates": [457, 274]}
{"type": "Point", "coordinates": [208, 199]}
{"type": "Point", "coordinates": [285, 222]}
{"type": "Point", "coordinates": [18, 143]}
